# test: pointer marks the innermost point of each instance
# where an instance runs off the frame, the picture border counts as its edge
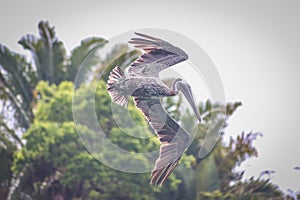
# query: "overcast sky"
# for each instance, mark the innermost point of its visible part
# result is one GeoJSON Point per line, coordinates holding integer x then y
{"type": "Point", "coordinates": [254, 45]}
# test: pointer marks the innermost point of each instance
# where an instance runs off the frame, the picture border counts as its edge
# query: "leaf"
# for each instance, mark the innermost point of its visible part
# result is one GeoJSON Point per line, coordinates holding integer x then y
{"type": "Point", "coordinates": [48, 52]}
{"type": "Point", "coordinates": [17, 80]}
{"type": "Point", "coordinates": [84, 57]}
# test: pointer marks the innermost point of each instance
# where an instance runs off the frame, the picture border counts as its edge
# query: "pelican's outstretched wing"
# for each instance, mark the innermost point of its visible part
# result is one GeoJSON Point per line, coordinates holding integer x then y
{"type": "Point", "coordinates": [174, 139]}
{"type": "Point", "coordinates": [159, 55]}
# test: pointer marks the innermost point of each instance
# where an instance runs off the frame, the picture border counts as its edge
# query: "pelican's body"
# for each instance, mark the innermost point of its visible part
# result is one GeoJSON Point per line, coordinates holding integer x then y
{"type": "Point", "coordinates": [142, 82]}
{"type": "Point", "coordinates": [143, 86]}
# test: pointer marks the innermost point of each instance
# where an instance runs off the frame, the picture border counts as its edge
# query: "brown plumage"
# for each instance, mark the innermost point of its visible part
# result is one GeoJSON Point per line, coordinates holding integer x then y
{"type": "Point", "coordinates": [143, 84]}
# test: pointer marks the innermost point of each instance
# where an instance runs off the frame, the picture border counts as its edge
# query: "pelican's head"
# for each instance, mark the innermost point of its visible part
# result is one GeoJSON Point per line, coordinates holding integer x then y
{"type": "Point", "coordinates": [185, 88]}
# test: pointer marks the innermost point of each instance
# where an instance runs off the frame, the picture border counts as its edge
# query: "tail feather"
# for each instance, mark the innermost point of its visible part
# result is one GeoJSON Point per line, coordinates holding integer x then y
{"type": "Point", "coordinates": [159, 176]}
{"type": "Point", "coordinates": [114, 77]}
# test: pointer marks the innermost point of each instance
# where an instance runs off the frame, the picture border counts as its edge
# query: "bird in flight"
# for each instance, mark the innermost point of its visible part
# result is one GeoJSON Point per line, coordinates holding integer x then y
{"type": "Point", "coordinates": [142, 82]}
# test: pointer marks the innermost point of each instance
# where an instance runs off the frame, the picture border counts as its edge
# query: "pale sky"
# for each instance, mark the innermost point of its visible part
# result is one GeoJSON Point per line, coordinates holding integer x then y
{"type": "Point", "coordinates": [254, 45]}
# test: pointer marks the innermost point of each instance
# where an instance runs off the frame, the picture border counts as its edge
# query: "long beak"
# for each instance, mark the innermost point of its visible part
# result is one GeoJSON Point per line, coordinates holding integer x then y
{"type": "Point", "coordinates": [186, 90]}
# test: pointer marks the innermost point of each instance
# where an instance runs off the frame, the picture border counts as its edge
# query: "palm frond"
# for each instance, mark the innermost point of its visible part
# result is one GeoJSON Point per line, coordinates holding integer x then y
{"type": "Point", "coordinates": [48, 52]}
{"type": "Point", "coordinates": [85, 57]}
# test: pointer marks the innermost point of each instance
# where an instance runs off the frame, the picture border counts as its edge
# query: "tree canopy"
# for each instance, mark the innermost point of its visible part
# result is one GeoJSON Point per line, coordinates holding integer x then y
{"type": "Point", "coordinates": [42, 155]}
{"type": "Point", "coordinates": [58, 164]}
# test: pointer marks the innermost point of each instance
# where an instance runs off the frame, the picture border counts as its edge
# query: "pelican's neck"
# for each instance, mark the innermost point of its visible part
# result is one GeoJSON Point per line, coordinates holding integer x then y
{"type": "Point", "coordinates": [174, 88]}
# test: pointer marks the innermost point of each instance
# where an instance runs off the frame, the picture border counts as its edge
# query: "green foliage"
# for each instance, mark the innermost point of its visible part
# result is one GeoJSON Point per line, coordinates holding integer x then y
{"type": "Point", "coordinates": [79, 55]}
{"type": "Point", "coordinates": [57, 100]}
{"type": "Point", "coordinates": [58, 164]}
{"type": "Point", "coordinates": [7, 148]}
{"type": "Point", "coordinates": [215, 195]}
{"type": "Point", "coordinates": [222, 182]}
{"type": "Point", "coordinates": [215, 177]}
{"type": "Point", "coordinates": [16, 83]}
{"type": "Point", "coordinates": [47, 51]}
{"type": "Point", "coordinates": [50, 62]}
{"type": "Point", "coordinates": [54, 164]}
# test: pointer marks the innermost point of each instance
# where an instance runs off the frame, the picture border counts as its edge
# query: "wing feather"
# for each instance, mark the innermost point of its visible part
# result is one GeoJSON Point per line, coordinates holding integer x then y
{"type": "Point", "coordinates": [159, 55]}
{"type": "Point", "coordinates": [174, 139]}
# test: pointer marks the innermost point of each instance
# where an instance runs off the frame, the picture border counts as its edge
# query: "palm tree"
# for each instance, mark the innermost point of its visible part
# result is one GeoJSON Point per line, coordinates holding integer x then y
{"type": "Point", "coordinates": [8, 141]}
{"type": "Point", "coordinates": [49, 61]}
{"type": "Point", "coordinates": [18, 76]}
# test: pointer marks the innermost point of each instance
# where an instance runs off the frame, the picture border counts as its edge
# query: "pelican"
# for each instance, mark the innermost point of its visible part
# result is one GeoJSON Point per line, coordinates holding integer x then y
{"type": "Point", "coordinates": [142, 82]}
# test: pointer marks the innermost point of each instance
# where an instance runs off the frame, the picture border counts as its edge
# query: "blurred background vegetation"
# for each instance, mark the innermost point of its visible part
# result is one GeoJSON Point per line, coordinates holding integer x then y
{"type": "Point", "coordinates": [42, 157]}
